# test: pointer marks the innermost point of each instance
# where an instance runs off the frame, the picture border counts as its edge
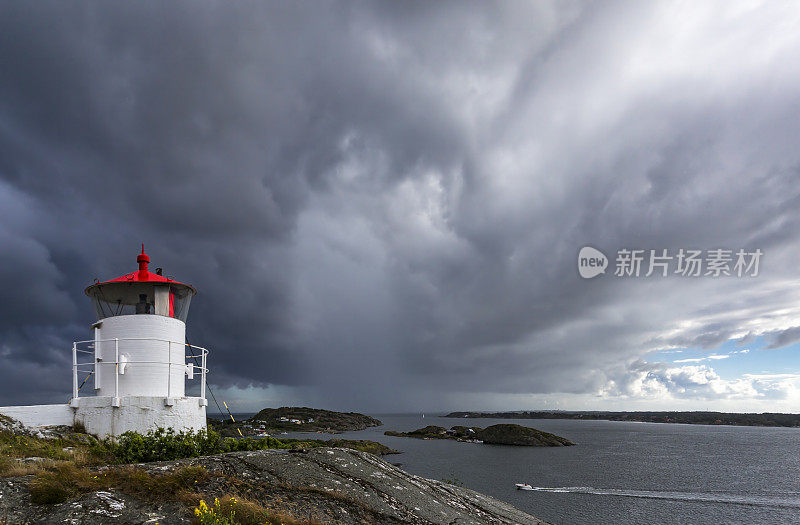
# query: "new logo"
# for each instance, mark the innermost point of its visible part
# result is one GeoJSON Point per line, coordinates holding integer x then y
{"type": "Point", "coordinates": [591, 262]}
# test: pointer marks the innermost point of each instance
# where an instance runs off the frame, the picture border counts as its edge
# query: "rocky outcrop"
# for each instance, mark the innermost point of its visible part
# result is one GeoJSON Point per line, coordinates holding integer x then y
{"type": "Point", "coordinates": [429, 432]}
{"type": "Point", "coordinates": [304, 419]}
{"type": "Point", "coordinates": [508, 434]}
{"type": "Point", "coordinates": [504, 434]}
{"type": "Point", "coordinates": [327, 485]}
{"type": "Point", "coordinates": [13, 426]}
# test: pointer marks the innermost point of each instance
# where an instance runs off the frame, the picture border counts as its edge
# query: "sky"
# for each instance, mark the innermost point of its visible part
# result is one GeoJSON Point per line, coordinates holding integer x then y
{"type": "Point", "coordinates": [382, 204]}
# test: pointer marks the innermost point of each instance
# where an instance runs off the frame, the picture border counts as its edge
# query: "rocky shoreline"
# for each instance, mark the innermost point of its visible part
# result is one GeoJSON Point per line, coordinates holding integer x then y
{"type": "Point", "coordinates": [61, 475]}
{"type": "Point", "coordinates": [317, 486]}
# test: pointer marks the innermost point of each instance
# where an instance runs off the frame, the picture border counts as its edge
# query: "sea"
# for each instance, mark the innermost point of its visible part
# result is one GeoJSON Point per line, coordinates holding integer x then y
{"type": "Point", "coordinates": [618, 472]}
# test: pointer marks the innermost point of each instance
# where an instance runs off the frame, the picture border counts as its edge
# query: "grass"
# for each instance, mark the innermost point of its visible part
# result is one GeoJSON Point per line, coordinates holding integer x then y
{"type": "Point", "coordinates": [160, 445]}
{"type": "Point", "coordinates": [132, 447]}
{"type": "Point", "coordinates": [15, 447]}
{"type": "Point", "coordinates": [66, 481]}
{"type": "Point", "coordinates": [67, 468]}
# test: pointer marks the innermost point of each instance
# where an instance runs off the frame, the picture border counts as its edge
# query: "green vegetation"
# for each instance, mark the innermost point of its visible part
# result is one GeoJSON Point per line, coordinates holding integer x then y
{"type": "Point", "coordinates": [167, 445]}
{"type": "Point", "coordinates": [766, 419]}
{"type": "Point", "coordinates": [21, 454]}
{"type": "Point", "coordinates": [63, 466]}
{"type": "Point", "coordinates": [67, 480]}
{"type": "Point", "coordinates": [72, 464]}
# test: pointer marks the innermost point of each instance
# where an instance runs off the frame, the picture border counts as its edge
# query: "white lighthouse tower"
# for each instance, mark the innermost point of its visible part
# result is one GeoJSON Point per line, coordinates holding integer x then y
{"type": "Point", "coordinates": [137, 363]}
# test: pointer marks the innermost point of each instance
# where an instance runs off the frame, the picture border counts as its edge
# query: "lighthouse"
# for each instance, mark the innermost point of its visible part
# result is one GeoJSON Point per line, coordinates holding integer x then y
{"type": "Point", "coordinates": [131, 374]}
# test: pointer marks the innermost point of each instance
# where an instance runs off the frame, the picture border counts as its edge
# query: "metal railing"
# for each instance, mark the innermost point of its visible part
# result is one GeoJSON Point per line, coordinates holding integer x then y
{"type": "Point", "coordinates": [96, 362]}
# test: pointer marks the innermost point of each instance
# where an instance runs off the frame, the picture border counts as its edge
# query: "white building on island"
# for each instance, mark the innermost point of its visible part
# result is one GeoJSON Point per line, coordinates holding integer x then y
{"type": "Point", "coordinates": [136, 364]}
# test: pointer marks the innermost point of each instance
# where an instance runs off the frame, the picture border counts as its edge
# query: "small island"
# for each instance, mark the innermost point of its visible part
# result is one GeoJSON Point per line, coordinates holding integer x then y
{"type": "Point", "coordinates": [272, 421]}
{"type": "Point", "coordinates": [304, 419]}
{"type": "Point", "coordinates": [504, 434]}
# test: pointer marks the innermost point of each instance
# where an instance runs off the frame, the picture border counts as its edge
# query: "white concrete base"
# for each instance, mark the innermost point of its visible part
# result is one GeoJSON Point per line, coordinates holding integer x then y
{"type": "Point", "coordinates": [37, 416]}
{"type": "Point", "coordinates": [102, 417]}
{"type": "Point", "coordinates": [140, 414]}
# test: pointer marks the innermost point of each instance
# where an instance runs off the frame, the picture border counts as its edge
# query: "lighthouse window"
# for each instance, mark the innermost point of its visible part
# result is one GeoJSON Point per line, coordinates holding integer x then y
{"type": "Point", "coordinates": [163, 302]}
{"type": "Point", "coordinates": [142, 307]}
{"type": "Point", "coordinates": [127, 298]}
{"type": "Point", "coordinates": [98, 308]}
{"type": "Point", "coordinates": [180, 303]}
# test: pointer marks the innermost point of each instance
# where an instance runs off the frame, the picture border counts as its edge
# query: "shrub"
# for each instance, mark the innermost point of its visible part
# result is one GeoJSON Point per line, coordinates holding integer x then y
{"type": "Point", "coordinates": [218, 513]}
{"type": "Point", "coordinates": [168, 445]}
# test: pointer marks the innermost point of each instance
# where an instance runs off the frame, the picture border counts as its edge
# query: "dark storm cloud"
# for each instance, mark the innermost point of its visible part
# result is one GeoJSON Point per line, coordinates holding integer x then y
{"type": "Point", "coordinates": [385, 202]}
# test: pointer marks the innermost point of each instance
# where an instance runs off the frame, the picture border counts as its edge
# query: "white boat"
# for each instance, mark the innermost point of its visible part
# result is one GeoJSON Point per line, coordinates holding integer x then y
{"type": "Point", "coordinates": [523, 486]}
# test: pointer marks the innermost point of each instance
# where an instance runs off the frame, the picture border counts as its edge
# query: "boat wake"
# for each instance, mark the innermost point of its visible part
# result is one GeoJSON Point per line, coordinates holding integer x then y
{"type": "Point", "coordinates": [787, 500]}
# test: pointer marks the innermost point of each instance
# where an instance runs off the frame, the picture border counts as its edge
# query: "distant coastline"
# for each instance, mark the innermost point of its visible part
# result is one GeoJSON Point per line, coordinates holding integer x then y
{"type": "Point", "coordinates": [691, 418]}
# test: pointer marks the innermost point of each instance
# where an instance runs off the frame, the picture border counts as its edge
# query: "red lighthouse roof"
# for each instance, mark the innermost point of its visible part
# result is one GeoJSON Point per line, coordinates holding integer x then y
{"type": "Point", "coordinates": [143, 275]}
{"type": "Point", "coordinates": [128, 289]}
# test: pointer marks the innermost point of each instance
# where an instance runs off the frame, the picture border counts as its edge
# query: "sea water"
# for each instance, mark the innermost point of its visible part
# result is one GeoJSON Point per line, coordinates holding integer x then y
{"type": "Point", "coordinates": [619, 472]}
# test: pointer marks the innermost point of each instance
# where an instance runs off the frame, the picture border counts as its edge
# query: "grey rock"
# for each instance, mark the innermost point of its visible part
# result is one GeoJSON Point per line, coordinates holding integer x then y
{"type": "Point", "coordinates": [330, 485]}
{"type": "Point", "coordinates": [13, 426]}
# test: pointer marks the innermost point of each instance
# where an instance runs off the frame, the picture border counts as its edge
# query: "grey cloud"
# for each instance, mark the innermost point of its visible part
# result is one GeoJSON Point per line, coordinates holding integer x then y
{"type": "Point", "coordinates": [389, 198]}
{"type": "Point", "coordinates": [784, 337]}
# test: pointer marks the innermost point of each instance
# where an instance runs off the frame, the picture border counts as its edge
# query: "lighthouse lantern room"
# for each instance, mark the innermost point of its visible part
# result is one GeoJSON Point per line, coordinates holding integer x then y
{"type": "Point", "coordinates": [131, 375]}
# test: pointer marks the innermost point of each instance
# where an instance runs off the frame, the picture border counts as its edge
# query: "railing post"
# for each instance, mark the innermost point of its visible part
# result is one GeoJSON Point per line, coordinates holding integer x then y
{"type": "Point", "coordinates": [116, 367]}
{"type": "Point", "coordinates": [169, 368]}
{"type": "Point", "coordinates": [203, 375]}
{"type": "Point", "coordinates": [74, 370]}
{"type": "Point", "coordinates": [98, 358]}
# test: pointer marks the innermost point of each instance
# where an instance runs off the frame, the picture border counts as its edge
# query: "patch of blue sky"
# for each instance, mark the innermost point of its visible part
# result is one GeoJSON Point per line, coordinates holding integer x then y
{"type": "Point", "coordinates": [735, 358]}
